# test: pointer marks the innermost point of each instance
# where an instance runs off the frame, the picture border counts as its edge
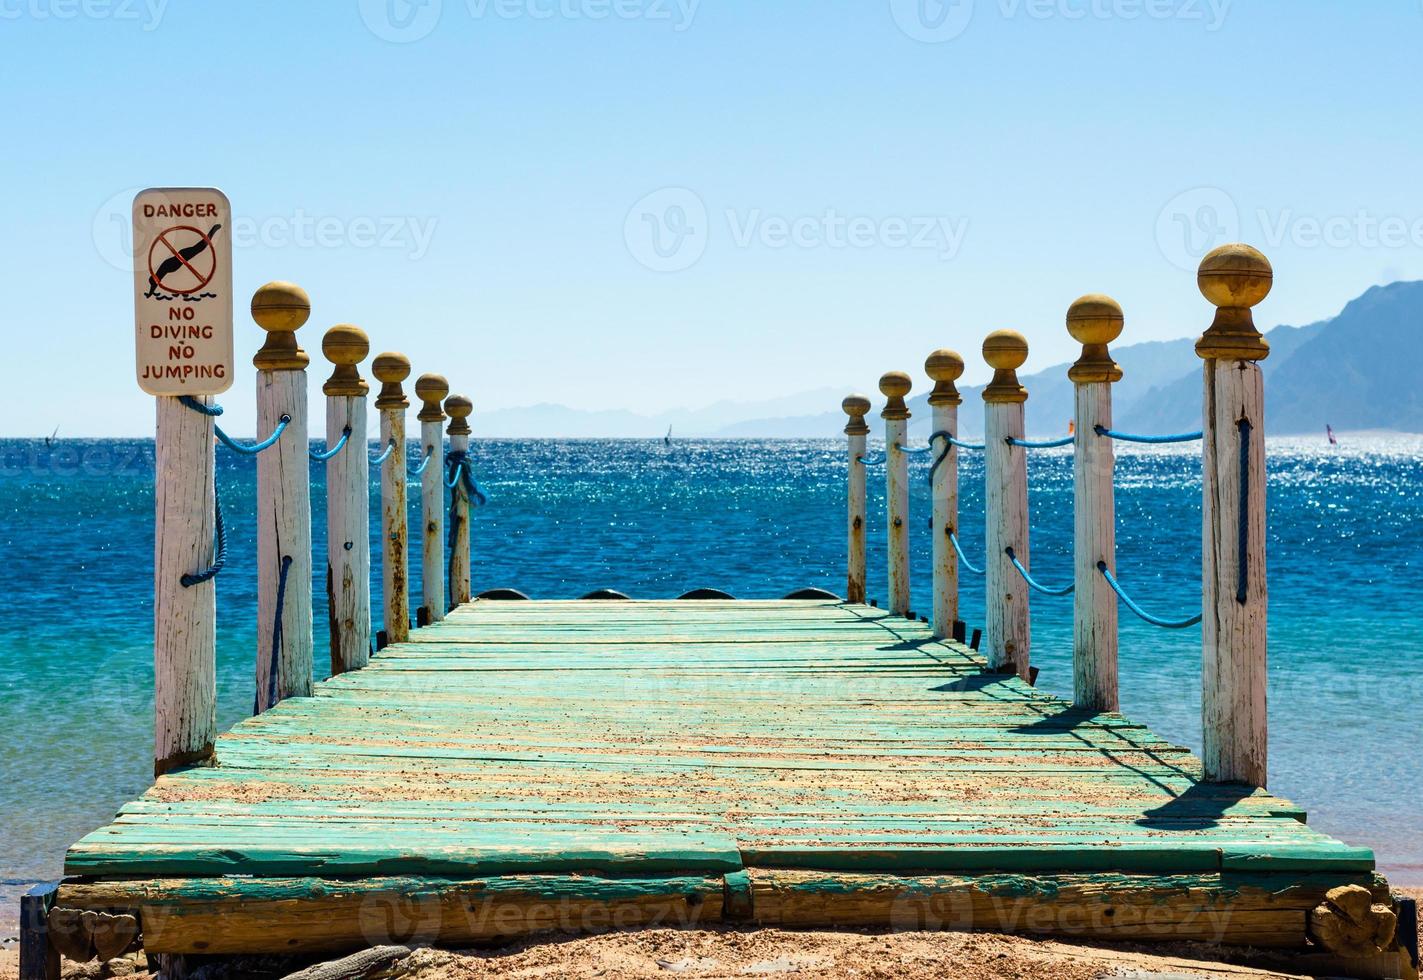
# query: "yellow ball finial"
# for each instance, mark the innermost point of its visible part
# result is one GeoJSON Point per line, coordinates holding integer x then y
{"type": "Point", "coordinates": [459, 408]}
{"type": "Point", "coordinates": [857, 407]}
{"type": "Point", "coordinates": [431, 389]}
{"type": "Point", "coordinates": [281, 308]}
{"type": "Point", "coordinates": [390, 370]}
{"type": "Point", "coordinates": [944, 367]}
{"type": "Point", "coordinates": [1005, 351]}
{"type": "Point", "coordinates": [1234, 278]}
{"type": "Point", "coordinates": [894, 385]}
{"type": "Point", "coordinates": [346, 346]}
{"type": "Point", "coordinates": [1235, 275]}
{"type": "Point", "coordinates": [1094, 321]}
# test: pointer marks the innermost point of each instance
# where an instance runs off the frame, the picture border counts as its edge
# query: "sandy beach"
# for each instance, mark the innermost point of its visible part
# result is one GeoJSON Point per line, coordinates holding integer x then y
{"type": "Point", "coordinates": [707, 955]}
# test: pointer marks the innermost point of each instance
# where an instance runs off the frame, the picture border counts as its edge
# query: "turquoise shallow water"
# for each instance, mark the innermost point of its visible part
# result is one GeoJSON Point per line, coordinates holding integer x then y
{"type": "Point", "coordinates": [756, 519]}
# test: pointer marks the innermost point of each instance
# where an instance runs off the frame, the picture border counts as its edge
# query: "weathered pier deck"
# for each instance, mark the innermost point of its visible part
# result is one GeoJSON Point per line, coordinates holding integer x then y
{"type": "Point", "coordinates": [581, 765]}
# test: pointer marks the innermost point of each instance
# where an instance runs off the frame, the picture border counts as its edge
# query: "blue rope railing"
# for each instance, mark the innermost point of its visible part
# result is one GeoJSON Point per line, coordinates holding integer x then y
{"type": "Point", "coordinates": [322, 457]}
{"type": "Point", "coordinates": [453, 475]}
{"type": "Point", "coordinates": [220, 559]}
{"type": "Point", "coordinates": [968, 445]}
{"type": "Point", "coordinates": [873, 460]}
{"type": "Point", "coordinates": [1242, 584]}
{"type": "Point", "coordinates": [913, 450]}
{"type": "Point", "coordinates": [452, 537]}
{"type": "Point", "coordinates": [390, 448]}
{"type": "Point", "coordinates": [1050, 444]}
{"type": "Point", "coordinates": [954, 539]}
{"type": "Point", "coordinates": [948, 440]}
{"type": "Point", "coordinates": [276, 638]}
{"type": "Point", "coordinates": [424, 463]}
{"type": "Point", "coordinates": [258, 447]}
{"type": "Point", "coordinates": [1034, 583]}
{"type": "Point", "coordinates": [1102, 430]}
{"type": "Point", "coordinates": [213, 411]}
{"type": "Point", "coordinates": [460, 472]}
{"type": "Point", "coordinates": [1142, 613]}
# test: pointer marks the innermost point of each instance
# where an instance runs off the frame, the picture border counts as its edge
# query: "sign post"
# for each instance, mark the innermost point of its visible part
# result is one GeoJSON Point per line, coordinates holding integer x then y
{"type": "Point", "coordinates": [183, 329]}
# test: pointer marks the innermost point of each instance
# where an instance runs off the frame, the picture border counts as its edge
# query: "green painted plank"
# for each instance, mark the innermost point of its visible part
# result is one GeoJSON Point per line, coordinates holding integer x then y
{"type": "Point", "coordinates": [512, 852]}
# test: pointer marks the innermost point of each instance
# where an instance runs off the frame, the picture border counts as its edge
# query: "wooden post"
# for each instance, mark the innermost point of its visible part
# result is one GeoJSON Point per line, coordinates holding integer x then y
{"type": "Point", "coordinates": [944, 367]}
{"type": "Point", "coordinates": [1234, 278]}
{"type": "Point", "coordinates": [391, 369]}
{"type": "Point", "coordinates": [856, 407]}
{"type": "Point", "coordinates": [1008, 628]}
{"type": "Point", "coordinates": [1094, 322]}
{"type": "Point", "coordinates": [431, 389]}
{"type": "Point", "coordinates": [894, 386]}
{"type": "Point", "coordinates": [284, 637]}
{"type": "Point", "coordinates": [184, 618]}
{"type": "Point", "coordinates": [348, 501]}
{"type": "Point", "coordinates": [459, 408]}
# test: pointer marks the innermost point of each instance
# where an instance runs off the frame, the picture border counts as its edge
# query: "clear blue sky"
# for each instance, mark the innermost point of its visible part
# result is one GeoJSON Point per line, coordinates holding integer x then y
{"type": "Point", "coordinates": [469, 180]}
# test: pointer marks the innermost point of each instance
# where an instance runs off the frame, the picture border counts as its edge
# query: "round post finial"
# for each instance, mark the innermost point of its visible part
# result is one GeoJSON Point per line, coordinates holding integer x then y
{"type": "Point", "coordinates": [944, 367]}
{"type": "Point", "coordinates": [894, 386]}
{"type": "Point", "coordinates": [857, 407]}
{"type": "Point", "coordinates": [281, 308]}
{"type": "Point", "coordinates": [431, 389]}
{"type": "Point", "coordinates": [390, 370]}
{"type": "Point", "coordinates": [1234, 278]}
{"type": "Point", "coordinates": [346, 346]}
{"type": "Point", "coordinates": [1005, 351]}
{"type": "Point", "coordinates": [1094, 321]}
{"type": "Point", "coordinates": [459, 408]}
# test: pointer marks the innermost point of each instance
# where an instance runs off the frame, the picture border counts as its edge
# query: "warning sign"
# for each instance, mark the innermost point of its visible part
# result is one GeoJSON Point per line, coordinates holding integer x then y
{"type": "Point", "coordinates": [182, 268]}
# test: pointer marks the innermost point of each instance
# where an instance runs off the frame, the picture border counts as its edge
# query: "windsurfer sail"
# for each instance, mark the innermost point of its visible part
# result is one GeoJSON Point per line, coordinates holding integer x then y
{"type": "Point", "coordinates": [1329, 430]}
{"type": "Point", "coordinates": [173, 263]}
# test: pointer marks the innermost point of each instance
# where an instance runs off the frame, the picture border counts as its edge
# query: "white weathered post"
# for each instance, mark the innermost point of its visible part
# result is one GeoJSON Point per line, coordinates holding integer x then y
{"type": "Point", "coordinates": [459, 408]}
{"type": "Point", "coordinates": [184, 617]}
{"type": "Point", "coordinates": [284, 637]}
{"type": "Point", "coordinates": [431, 389]}
{"type": "Point", "coordinates": [894, 386]}
{"type": "Point", "coordinates": [391, 369]}
{"type": "Point", "coordinates": [1235, 278]}
{"type": "Point", "coordinates": [1094, 321]}
{"type": "Point", "coordinates": [348, 501]}
{"type": "Point", "coordinates": [856, 407]}
{"type": "Point", "coordinates": [1008, 630]}
{"type": "Point", "coordinates": [173, 260]}
{"type": "Point", "coordinates": [944, 367]}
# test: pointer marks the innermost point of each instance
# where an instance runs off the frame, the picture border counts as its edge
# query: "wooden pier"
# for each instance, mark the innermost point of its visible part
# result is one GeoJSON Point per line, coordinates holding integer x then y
{"type": "Point", "coordinates": [498, 767]}
{"type": "Point", "coordinates": [533, 765]}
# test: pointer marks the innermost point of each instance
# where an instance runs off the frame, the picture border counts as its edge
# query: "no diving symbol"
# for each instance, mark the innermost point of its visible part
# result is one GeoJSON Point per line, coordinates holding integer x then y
{"type": "Point", "coordinates": [182, 260]}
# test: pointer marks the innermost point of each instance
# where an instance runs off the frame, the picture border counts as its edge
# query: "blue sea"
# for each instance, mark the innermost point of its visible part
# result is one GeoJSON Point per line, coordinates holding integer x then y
{"type": "Point", "coordinates": [756, 519]}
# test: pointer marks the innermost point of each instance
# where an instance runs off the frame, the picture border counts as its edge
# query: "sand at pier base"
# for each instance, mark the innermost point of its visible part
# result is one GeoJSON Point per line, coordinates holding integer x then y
{"type": "Point", "coordinates": [833, 955]}
{"type": "Point", "coordinates": [769, 953]}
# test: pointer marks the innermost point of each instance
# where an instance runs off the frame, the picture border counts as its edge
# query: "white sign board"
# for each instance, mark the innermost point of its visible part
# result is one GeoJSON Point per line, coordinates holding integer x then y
{"type": "Point", "coordinates": [182, 277]}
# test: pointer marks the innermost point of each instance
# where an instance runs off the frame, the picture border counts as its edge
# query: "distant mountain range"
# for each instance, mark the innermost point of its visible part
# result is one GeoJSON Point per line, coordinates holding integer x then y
{"type": "Point", "coordinates": [560, 421]}
{"type": "Point", "coordinates": [1363, 369]}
